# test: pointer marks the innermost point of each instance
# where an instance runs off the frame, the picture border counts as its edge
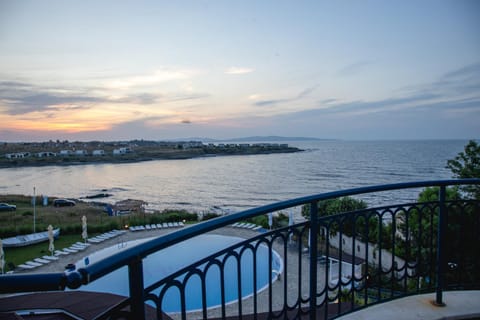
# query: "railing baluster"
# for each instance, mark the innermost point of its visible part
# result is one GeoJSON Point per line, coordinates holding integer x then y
{"type": "Point", "coordinates": [135, 279]}
{"type": "Point", "coordinates": [313, 258]}
{"type": "Point", "coordinates": [440, 249]}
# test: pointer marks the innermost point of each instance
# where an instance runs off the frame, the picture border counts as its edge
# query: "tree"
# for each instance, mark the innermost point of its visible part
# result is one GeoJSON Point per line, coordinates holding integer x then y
{"type": "Point", "coordinates": [342, 205]}
{"type": "Point", "coordinates": [467, 165]}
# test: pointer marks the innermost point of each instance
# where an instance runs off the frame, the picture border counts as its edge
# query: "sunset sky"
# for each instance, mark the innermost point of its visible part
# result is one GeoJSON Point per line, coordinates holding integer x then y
{"type": "Point", "coordinates": [117, 70]}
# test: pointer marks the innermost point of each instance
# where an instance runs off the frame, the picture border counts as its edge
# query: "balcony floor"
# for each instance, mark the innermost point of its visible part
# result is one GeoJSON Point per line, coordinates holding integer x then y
{"type": "Point", "coordinates": [459, 305]}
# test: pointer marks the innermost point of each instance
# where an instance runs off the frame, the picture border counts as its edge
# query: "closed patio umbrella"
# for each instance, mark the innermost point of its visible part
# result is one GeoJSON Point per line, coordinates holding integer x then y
{"type": "Point", "coordinates": [51, 247]}
{"type": "Point", "coordinates": [290, 223]}
{"type": "Point", "coordinates": [2, 257]}
{"type": "Point", "coordinates": [84, 229]}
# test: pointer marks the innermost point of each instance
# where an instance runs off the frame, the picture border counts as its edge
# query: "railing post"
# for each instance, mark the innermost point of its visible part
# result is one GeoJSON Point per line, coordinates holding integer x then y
{"type": "Point", "coordinates": [135, 279]}
{"type": "Point", "coordinates": [440, 249]}
{"type": "Point", "coordinates": [313, 258]}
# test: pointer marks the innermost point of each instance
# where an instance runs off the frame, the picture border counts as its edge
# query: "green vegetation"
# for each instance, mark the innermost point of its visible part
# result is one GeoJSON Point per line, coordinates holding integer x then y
{"type": "Point", "coordinates": [16, 256]}
{"type": "Point", "coordinates": [467, 165]}
{"type": "Point", "coordinates": [68, 219]}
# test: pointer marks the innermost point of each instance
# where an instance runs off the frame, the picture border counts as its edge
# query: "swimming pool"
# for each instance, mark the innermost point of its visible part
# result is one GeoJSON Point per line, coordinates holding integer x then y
{"type": "Point", "coordinates": [165, 262]}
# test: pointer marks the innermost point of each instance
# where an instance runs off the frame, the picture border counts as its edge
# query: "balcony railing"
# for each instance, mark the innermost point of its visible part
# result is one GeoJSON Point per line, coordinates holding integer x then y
{"type": "Point", "coordinates": [328, 265]}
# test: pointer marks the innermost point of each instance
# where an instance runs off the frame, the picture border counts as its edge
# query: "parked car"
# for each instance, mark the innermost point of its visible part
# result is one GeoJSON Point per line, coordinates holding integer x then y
{"type": "Point", "coordinates": [7, 207]}
{"type": "Point", "coordinates": [63, 203]}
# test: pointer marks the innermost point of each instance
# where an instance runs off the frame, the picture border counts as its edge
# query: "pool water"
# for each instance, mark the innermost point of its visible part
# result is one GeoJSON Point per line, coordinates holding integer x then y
{"type": "Point", "coordinates": [165, 262]}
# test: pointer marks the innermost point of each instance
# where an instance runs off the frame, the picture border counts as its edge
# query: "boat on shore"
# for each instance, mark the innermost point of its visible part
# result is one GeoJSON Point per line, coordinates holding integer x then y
{"type": "Point", "coordinates": [28, 239]}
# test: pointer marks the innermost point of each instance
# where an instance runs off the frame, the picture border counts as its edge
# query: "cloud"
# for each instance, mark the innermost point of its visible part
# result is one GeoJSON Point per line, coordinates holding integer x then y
{"type": "Point", "coordinates": [355, 68]}
{"type": "Point", "coordinates": [161, 75]}
{"type": "Point", "coordinates": [304, 93]}
{"type": "Point", "coordinates": [238, 70]}
{"type": "Point", "coordinates": [22, 98]}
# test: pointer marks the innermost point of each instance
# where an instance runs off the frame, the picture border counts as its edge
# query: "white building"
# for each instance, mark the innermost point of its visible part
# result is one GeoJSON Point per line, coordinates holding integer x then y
{"type": "Point", "coordinates": [81, 152]}
{"type": "Point", "coordinates": [98, 153]}
{"type": "Point", "coordinates": [121, 151]}
{"type": "Point", "coordinates": [46, 154]}
{"type": "Point", "coordinates": [65, 152]}
{"type": "Point", "coordinates": [18, 155]}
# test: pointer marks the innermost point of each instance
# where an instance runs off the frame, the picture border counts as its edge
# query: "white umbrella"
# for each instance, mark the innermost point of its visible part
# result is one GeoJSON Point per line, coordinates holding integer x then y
{"type": "Point", "coordinates": [270, 220]}
{"type": "Point", "coordinates": [2, 257]}
{"type": "Point", "coordinates": [290, 223]}
{"type": "Point", "coordinates": [51, 247]}
{"type": "Point", "coordinates": [84, 229]}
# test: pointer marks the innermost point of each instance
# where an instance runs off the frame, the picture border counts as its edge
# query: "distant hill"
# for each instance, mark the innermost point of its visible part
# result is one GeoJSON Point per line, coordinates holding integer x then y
{"type": "Point", "coordinates": [273, 138]}
{"type": "Point", "coordinates": [253, 139]}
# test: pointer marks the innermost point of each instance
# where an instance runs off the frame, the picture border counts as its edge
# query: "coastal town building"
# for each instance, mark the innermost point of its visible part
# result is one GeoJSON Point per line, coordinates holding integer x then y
{"type": "Point", "coordinates": [65, 152]}
{"type": "Point", "coordinates": [17, 155]}
{"type": "Point", "coordinates": [45, 154]}
{"type": "Point", "coordinates": [81, 152]}
{"type": "Point", "coordinates": [98, 152]}
{"type": "Point", "coordinates": [121, 151]}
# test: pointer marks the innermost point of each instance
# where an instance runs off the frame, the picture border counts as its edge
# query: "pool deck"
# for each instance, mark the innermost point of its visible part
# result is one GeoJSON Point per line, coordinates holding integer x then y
{"type": "Point", "coordinates": [459, 304]}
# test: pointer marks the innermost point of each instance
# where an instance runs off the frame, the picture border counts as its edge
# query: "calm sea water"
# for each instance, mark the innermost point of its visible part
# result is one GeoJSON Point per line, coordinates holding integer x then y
{"type": "Point", "coordinates": [234, 183]}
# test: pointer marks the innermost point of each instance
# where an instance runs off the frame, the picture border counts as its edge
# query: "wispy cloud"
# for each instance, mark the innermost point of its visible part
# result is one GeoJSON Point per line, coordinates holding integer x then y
{"type": "Point", "coordinates": [19, 98]}
{"type": "Point", "coordinates": [238, 70]}
{"type": "Point", "coordinates": [161, 75]}
{"type": "Point", "coordinates": [355, 68]}
{"type": "Point", "coordinates": [22, 97]}
{"type": "Point", "coordinates": [304, 93]}
{"type": "Point", "coordinates": [455, 90]}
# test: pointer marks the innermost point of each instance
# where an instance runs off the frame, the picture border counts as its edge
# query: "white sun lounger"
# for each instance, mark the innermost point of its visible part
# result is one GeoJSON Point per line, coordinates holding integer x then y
{"type": "Point", "coordinates": [159, 226]}
{"type": "Point", "coordinates": [42, 261]}
{"type": "Point", "coordinates": [78, 248]}
{"type": "Point", "coordinates": [147, 227]}
{"type": "Point", "coordinates": [52, 258]}
{"type": "Point", "coordinates": [60, 253]}
{"type": "Point", "coordinates": [34, 264]}
{"type": "Point", "coordinates": [70, 250]}
{"type": "Point", "coordinates": [235, 225]}
{"type": "Point", "coordinates": [82, 244]}
{"type": "Point", "coordinates": [25, 266]}
{"type": "Point", "coordinates": [181, 224]}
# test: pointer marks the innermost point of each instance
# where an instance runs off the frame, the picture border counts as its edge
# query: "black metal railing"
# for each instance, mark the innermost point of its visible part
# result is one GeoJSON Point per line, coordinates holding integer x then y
{"type": "Point", "coordinates": [322, 268]}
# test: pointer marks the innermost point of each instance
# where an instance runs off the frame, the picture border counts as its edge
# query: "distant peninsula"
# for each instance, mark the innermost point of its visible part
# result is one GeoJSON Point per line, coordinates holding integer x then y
{"type": "Point", "coordinates": [71, 153]}
{"type": "Point", "coordinates": [261, 139]}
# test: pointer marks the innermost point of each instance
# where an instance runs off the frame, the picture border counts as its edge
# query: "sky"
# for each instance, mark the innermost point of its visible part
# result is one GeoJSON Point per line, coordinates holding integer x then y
{"type": "Point", "coordinates": [121, 70]}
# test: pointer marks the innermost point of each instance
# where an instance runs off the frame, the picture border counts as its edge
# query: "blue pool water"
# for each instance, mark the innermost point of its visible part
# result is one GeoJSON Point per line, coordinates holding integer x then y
{"type": "Point", "coordinates": [170, 260]}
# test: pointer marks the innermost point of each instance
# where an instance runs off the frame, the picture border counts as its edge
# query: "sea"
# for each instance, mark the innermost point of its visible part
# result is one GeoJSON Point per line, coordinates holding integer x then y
{"type": "Point", "coordinates": [226, 184]}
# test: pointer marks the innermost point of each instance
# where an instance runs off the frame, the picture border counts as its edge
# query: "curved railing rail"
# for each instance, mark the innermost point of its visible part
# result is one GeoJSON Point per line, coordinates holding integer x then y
{"type": "Point", "coordinates": [331, 264]}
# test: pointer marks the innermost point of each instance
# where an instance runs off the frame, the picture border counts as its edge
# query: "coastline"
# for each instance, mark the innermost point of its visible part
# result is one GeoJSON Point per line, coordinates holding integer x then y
{"type": "Point", "coordinates": [140, 157]}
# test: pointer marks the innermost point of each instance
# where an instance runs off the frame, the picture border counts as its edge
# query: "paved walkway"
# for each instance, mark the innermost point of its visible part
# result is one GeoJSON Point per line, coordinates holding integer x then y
{"type": "Point", "coordinates": [459, 305]}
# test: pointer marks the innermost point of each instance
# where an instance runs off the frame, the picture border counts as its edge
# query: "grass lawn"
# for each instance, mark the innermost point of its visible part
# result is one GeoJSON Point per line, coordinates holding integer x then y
{"type": "Point", "coordinates": [22, 254]}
